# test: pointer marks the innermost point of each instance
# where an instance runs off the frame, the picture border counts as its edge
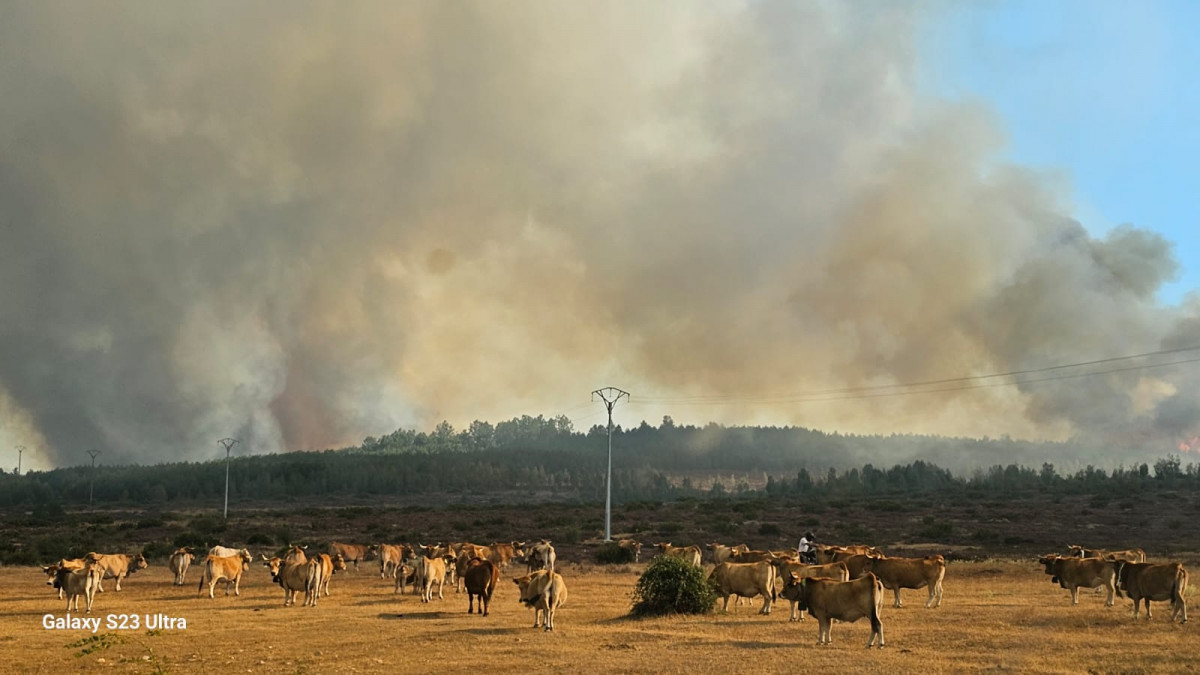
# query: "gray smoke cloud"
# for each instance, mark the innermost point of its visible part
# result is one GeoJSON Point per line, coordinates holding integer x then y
{"type": "Point", "coordinates": [303, 223]}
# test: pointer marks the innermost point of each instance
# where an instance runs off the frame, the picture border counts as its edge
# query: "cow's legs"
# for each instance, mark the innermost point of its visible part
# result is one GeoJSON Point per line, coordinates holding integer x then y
{"type": "Point", "coordinates": [823, 637]}
{"type": "Point", "coordinates": [118, 583]}
{"type": "Point", "coordinates": [876, 630]}
{"type": "Point", "coordinates": [1074, 595]}
{"type": "Point", "coordinates": [935, 595]}
{"type": "Point", "coordinates": [725, 607]}
{"type": "Point", "coordinates": [766, 606]}
{"type": "Point", "coordinates": [1112, 593]}
{"type": "Point", "coordinates": [1148, 614]}
{"type": "Point", "coordinates": [896, 590]}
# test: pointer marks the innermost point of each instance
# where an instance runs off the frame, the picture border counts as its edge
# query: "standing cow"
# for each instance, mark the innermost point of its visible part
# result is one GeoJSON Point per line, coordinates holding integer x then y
{"type": "Point", "coordinates": [480, 579]}
{"type": "Point", "coordinates": [179, 562]}
{"type": "Point", "coordinates": [826, 600]}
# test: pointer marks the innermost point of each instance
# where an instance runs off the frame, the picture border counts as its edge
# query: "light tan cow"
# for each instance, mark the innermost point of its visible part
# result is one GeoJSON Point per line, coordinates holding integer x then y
{"type": "Point", "coordinates": [545, 592]}
{"type": "Point", "coordinates": [788, 567]}
{"type": "Point", "coordinates": [826, 600]}
{"type": "Point", "coordinates": [296, 577]}
{"type": "Point", "coordinates": [296, 554]}
{"type": "Point", "coordinates": [897, 573]}
{"type": "Point", "coordinates": [330, 565]}
{"type": "Point", "coordinates": [751, 556]}
{"type": "Point", "coordinates": [179, 562]}
{"type": "Point", "coordinates": [481, 578]}
{"type": "Point", "coordinates": [827, 554]}
{"type": "Point", "coordinates": [689, 553]}
{"type": "Point", "coordinates": [430, 572]}
{"type": "Point", "coordinates": [746, 580]}
{"type": "Point", "coordinates": [117, 565]}
{"type": "Point", "coordinates": [632, 545]}
{"type": "Point", "coordinates": [73, 583]}
{"type": "Point", "coordinates": [1130, 555]}
{"type": "Point", "coordinates": [541, 556]}
{"type": "Point", "coordinates": [502, 554]}
{"type": "Point", "coordinates": [352, 553]}
{"type": "Point", "coordinates": [721, 553]}
{"type": "Point", "coordinates": [1161, 583]}
{"type": "Point", "coordinates": [391, 557]}
{"type": "Point", "coordinates": [1071, 573]}
{"type": "Point", "coordinates": [224, 568]}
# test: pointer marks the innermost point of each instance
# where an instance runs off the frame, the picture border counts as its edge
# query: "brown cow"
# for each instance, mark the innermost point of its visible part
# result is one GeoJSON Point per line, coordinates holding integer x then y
{"type": "Point", "coordinates": [897, 573]}
{"type": "Point", "coordinates": [480, 578]}
{"type": "Point", "coordinates": [390, 558]}
{"type": "Point", "coordinates": [788, 567]}
{"type": "Point", "coordinates": [746, 580]}
{"type": "Point", "coordinates": [295, 577]}
{"type": "Point", "coordinates": [721, 553]}
{"type": "Point", "coordinates": [117, 565]}
{"type": "Point", "coordinates": [689, 553]}
{"type": "Point", "coordinates": [76, 582]}
{"type": "Point", "coordinates": [751, 556]}
{"type": "Point", "coordinates": [1146, 581]}
{"type": "Point", "coordinates": [330, 565]}
{"type": "Point", "coordinates": [826, 599]}
{"type": "Point", "coordinates": [51, 571]}
{"type": "Point", "coordinates": [632, 545]}
{"type": "Point", "coordinates": [502, 554]}
{"type": "Point", "coordinates": [545, 592]}
{"type": "Point", "coordinates": [227, 568]}
{"type": "Point", "coordinates": [352, 553]}
{"type": "Point", "coordinates": [1071, 573]}
{"type": "Point", "coordinates": [1131, 555]}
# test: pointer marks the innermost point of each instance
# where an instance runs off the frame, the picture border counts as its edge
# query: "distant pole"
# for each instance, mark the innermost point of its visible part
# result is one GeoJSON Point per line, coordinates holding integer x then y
{"type": "Point", "coordinates": [228, 443]}
{"type": "Point", "coordinates": [610, 396]}
{"type": "Point", "coordinates": [92, 484]}
{"type": "Point", "coordinates": [20, 451]}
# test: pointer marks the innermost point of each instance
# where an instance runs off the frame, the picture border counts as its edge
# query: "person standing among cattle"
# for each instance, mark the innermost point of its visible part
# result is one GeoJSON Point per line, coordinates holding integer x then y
{"type": "Point", "coordinates": [806, 550]}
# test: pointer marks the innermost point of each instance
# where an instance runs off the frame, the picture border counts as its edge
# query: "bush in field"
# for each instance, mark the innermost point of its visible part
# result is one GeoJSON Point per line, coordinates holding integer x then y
{"type": "Point", "coordinates": [673, 586]}
{"type": "Point", "coordinates": [609, 553]}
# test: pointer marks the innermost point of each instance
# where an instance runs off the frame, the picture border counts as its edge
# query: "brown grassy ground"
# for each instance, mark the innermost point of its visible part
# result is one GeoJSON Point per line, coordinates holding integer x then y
{"type": "Point", "coordinates": [997, 615]}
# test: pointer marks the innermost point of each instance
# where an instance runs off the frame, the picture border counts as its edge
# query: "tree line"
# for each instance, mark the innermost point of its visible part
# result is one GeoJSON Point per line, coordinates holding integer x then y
{"type": "Point", "coordinates": [538, 458]}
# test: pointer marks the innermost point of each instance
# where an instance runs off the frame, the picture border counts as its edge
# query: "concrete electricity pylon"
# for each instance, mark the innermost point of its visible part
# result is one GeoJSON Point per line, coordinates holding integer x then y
{"type": "Point", "coordinates": [92, 483]}
{"type": "Point", "coordinates": [610, 396]}
{"type": "Point", "coordinates": [228, 443]}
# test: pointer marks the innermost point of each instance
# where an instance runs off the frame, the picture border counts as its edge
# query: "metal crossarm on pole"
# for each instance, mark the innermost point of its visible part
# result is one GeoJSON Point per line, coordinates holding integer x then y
{"type": "Point", "coordinates": [228, 443]}
{"type": "Point", "coordinates": [92, 482]}
{"type": "Point", "coordinates": [610, 396]}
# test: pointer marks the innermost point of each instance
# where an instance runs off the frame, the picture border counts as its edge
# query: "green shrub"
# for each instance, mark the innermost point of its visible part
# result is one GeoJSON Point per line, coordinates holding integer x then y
{"type": "Point", "coordinates": [673, 586]}
{"type": "Point", "coordinates": [609, 553]}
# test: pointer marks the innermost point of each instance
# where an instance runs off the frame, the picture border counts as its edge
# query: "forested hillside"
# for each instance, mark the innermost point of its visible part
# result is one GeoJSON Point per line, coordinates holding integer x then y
{"type": "Point", "coordinates": [539, 459]}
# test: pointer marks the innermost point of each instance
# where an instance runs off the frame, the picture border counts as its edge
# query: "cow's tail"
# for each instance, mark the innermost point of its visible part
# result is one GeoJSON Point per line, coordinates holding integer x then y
{"type": "Point", "coordinates": [203, 574]}
{"type": "Point", "coordinates": [1179, 587]}
{"type": "Point", "coordinates": [774, 573]}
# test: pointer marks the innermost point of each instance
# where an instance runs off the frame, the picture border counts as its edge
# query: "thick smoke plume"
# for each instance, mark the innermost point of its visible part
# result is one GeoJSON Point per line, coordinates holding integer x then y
{"type": "Point", "coordinates": [304, 223]}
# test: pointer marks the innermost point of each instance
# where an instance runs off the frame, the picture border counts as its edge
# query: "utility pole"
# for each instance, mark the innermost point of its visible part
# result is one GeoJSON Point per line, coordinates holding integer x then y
{"type": "Point", "coordinates": [610, 396]}
{"type": "Point", "coordinates": [228, 443]}
{"type": "Point", "coordinates": [20, 451]}
{"type": "Point", "coordinates": [92, 484]}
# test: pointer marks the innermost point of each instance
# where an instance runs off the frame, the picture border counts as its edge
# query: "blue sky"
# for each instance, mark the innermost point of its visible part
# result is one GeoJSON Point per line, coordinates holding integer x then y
{"type": "Point", "coordinates": [1106, 91]}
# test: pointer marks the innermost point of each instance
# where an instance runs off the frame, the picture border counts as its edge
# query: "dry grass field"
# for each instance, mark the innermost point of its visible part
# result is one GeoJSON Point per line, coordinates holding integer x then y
{"type": "Point", "coordinates": [997, 615]}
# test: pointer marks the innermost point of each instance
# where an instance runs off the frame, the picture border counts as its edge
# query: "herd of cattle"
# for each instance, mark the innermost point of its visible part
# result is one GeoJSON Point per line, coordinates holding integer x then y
{"type": "Point", "coordinates": [845, 583]}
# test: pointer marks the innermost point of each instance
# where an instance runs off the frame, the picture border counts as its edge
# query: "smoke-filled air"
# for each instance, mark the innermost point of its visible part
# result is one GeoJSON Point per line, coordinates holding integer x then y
{"type": "Point", "coordinates": [300, 224]}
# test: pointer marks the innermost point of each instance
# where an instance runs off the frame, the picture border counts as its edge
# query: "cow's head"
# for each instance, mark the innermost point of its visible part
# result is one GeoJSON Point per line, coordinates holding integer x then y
{"type": "Point", "coordinates": [246, 558]}
{"type": "Point", "coordinates": [1051, 562]}
{"type": "Point", "coordinates": [51, 572]}
{"type": "Point", "coordinates": [1076, 551]}
{"type": "Point", "coordinates": [663, 546]}
{"type": "Point", "coordinates": [296, 554]}
{"type": "Point", "coordinates": [339, 563]}
{"type": "Point", "coordinates": [138, 563]}
{"type": "Point", "coordinates": [524, 583]}
{"type": "Point", "coordinates": [796, 590]}
{"type": "Point", "coordinates": [274, 565]}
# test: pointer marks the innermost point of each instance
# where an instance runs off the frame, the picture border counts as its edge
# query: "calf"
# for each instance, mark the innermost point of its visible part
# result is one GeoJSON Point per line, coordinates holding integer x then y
{"type": "Point", "coordinates": [897, 573]}
{"type": "Point", "coordinates": [224, 568]}
{"type": "Point", "coordinates": [827, 600]}
{"type": "Point", "coordinates": [543, 591]}
{"type": "Point", "coordinates": [746, 580]}
{"type": "Point", "coordinates": [1071, 573]}
{"type": "Point", "coordinates": [1145, 581]}
{"type": "Point", "coordinates": [480, 579]}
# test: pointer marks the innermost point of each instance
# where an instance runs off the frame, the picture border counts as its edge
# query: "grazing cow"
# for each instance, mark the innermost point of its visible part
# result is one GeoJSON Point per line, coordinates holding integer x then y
{"type": "Point", "coordinates": [228, 568]}
{"type": "Point", "coordinates": [117, 565]}
{"type": "Point", "coordinates": [179, 562]}
{"type": "Point", "coordinates": [746, 580]}
{"type": "Point", "coordinates": [330, 565]}
{"type": "Point", "coordinates": [545, 592]}
{"type": "Point", "coordinates": [1131, 555]}
{"type": "Point", "coordinates": [67, 564]}
{"type": "Point", "coordinates": [502, 554]}
{"type": "Point", "coordinates": [390, 558]}
{"type": "Point", "coordinates": [897, 573]}
{"type": "Point", "coordinates": [689, 553]}
{"type": "Point", "coordinates": [826, 600]}
{"type": "Point", "coordinates": [632, 545]}
{"type": "Point", "coordinates": [541, 556]}
{"type": "Point", "coordinates": [721, 553]}
{"type": "Point", "coordinates": [295, 577]}
{"type": "Point", "coordinates": [352, 553]}
{"type": "Point", "coordinates": [1146, 581]}
{"type": "Point", "coordinates": [73, 583]}
{"type": "Point", "coordinates": [480, 578]}
{"type": "Point", "coordinates": [787, 567]}
{"type": "Point", "coordinates": [1071, 573]}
